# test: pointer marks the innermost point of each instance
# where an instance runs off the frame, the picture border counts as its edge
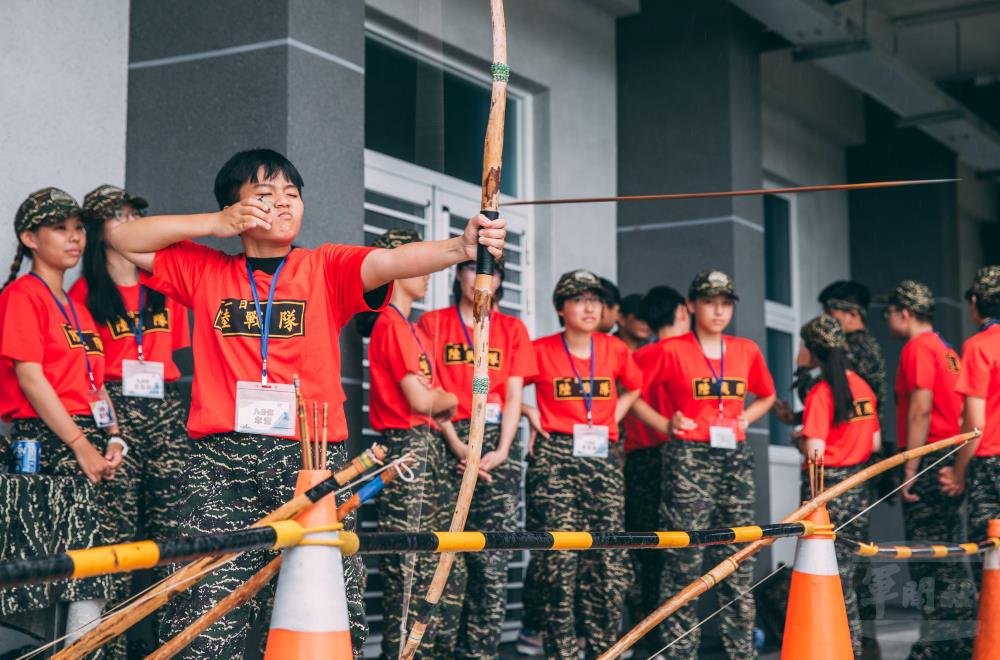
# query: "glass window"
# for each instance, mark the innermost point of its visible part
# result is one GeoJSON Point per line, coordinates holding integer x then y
{"type": "Point", "coordinates": [777, 249]}
{"type": "Point", "coordinates": [421, 113]}
{"type": "Point", "coordinates": [780, 362]}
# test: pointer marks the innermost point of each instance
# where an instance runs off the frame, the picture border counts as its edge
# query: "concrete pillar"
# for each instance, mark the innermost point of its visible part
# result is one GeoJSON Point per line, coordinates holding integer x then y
{"type": "Point", "coordinates": [900, 233]}
{"type": "Point", "coordinates": [689, 120]}
{"type": "Point", "coordinates": [209, 79]}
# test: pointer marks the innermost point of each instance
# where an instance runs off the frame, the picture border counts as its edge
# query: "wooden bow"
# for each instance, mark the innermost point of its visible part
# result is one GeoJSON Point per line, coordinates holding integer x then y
{"type": "Point", "coordinates": [731, 563]}
{"type": "Point", "coordinates": [482, 306]}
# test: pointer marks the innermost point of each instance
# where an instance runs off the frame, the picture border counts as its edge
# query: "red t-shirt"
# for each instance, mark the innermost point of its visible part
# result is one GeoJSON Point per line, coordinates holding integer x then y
{"type": "Point", "coordinates": [692, 388]}
{"type": "Point", "coordinates": [511, 354]}
{"type": "Point", "coordinates": [638, 435]}
{"type": "Point", "coordinates": [980, 377]}
{"type": "Point", "coordinates": [318, 291]}
{"type": "Point", "coordinates": [32, 329]}
{"type": "Point", "coordinates": [848, 443]}
{"type": "Point", "coordinates": [162, 333]}
{"type": "Point", "coordinates": [927, 363]}
{"type": "Point", "coordinates": [393, 352]}
{"type": "Point", "coordinates": [559, 393]}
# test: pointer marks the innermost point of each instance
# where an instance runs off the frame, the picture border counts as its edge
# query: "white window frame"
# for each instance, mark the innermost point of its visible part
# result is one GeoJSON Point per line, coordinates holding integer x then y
{"type": "Point", "coordinates": [435, 191]}
{"type": "Point", "coordinates": [785, 461]}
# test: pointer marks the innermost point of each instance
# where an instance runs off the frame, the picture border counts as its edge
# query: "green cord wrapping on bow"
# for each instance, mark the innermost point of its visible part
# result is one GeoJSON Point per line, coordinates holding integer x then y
{"type": "Point", "coordinates": [481, 385]}
{"type": "Point", "coordinates": [501, 72]}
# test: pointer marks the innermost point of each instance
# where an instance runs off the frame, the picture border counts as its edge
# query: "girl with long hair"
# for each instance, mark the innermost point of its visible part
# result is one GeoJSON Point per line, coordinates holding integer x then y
{"type": "Point", "coordinates": [839, 427]}
{"type": "Point", "coordinates": [52, 391]}
{"type": "Point", "coordinates": [140, 329]}
{"type": "Point", "coordinates": [494, 508]}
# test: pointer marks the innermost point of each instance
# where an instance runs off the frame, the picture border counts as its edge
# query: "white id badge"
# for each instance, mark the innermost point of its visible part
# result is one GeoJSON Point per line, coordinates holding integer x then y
{"type": "Point", "coordinates": [590, 441]}
{"type": "Point", "coordinates": [100, 408]}
{"type": "Point", "coordinates": [494, 409]}
{"type": "Point", "coordinates": [265, 409]}
{"type": "Point", "coordinates": [722, 434]}
{"type": "Point", "coordinates": [144, 379]}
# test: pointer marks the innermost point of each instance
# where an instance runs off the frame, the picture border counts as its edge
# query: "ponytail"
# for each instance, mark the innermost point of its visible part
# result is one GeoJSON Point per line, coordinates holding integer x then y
{"type": "Point", "coordinates": [15, 267]}
{"type": "Point", "coordinates": [834, 366]}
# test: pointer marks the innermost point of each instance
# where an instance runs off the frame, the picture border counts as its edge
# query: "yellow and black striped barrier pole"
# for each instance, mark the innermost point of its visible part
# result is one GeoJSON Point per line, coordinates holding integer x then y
{"type": "Point", "coordinates": [396, 542]}
{"type": "Point", "coordinates": [932, 551]}
{"type": "Point", "coordinates": [124, 557]}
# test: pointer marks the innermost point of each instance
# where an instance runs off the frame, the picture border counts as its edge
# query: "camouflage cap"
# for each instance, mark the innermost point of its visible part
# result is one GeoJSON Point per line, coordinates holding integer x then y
{"type": "Point", "coordinates": [914, 296]}
{"type": "Point", "coordinates": [102, 202]}
{"type": "Point", "coordinates": [710, 283]}
{"type": "Point", "coordinates": [824, 331]}
{"type": "Point", "coordinates": [44, 207]}
{"type": "Point", "coordinates": [986, 283]}
{"type": "Point", "coordinates": [574, 283]}
{"type": "Point", "coordinates": [393, 238]}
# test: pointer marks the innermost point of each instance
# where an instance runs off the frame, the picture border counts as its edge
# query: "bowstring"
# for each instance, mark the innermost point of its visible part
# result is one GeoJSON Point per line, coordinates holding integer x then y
{"type": "Point", "coordinates": [782, 567]}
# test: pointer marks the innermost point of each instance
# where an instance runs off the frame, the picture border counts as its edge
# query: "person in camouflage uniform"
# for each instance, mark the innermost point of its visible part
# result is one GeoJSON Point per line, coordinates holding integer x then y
{"type": "Point", "coordinates": [707, 464]}
{"type": "Point", "coordinates": [233, 494]}
{"type": "Point", "coordinates": [977, 469]}
{"type": "Point", "coordinates": [421, 505]}
{"type": "Point", "coordinates": [51, 368]}
{"type": "Point", "coordinates": [493, 509]}
{"type": "Point", "coordinates": [573, 484]}
{"type": "Point", "coordinates": [404, 396]}
{"type": "Point", "coordinates": [928, 410]}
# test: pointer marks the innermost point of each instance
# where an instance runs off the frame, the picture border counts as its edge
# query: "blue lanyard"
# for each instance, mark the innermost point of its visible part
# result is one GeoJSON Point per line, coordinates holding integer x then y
{"type": "Point", "coordinates": [264, 321]}
{"type": "Point", "coordinates": [586, 393]}
{"type": "Point", "coordinates": [413, 331]}
{"type": "Point", "coordinates": [944, 341]}
{"type": "Point", "coordinates": [989, 323]}
{"type": "Point", "coordinates": [718, 377]}
{"type": "Point", "coordinates": [137, 328]}
{"type": "Point", "coordinates": [75, 324]}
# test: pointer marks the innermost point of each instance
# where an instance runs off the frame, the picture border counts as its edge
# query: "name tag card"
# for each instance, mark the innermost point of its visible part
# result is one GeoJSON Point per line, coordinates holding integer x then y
{"type": "Point", "coordinates": [494, 409]}
{"type": "Point", "coordinates": [142, 379]}
{"type": "Point", "coordinates": [590, 441]}
{"type": "Point", "coordinates": [265, 409]}
{"type": "Point", "coordinates": [722, 433]}
{"type": "Point", "coordinates": [100, 408]}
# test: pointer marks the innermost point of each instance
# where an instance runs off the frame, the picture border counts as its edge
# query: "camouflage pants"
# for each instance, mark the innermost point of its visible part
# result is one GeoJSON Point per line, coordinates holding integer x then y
{"type": "Point", "coordinates": [425, 504]}
{"type": "Point", "coordinates": [935, 519]}
{"type": "Point", "coordinates": [707, 487]}
{"type": "Point", "coordinates": [494, 509]}
{"type": "Point", "coordinates": [565, 492]}
{"type": "Point", "coordinates": [984, 501]}
{"type": "Point", "coordinates": [230, 482]}
{"type": "Point", "coordinates": [110, 508]}
{"type": "Point", "coordinates": [155, 430]}
{"type": "Point", "coordinates": [642, 514]}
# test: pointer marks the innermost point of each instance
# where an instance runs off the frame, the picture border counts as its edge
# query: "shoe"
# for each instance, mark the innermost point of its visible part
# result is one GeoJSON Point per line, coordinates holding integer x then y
{"type": "Point", "coordinates": [530, 643]}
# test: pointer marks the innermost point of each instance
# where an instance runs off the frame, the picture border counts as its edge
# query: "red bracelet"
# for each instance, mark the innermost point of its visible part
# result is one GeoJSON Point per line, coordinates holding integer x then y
{"type": "Point", "coordinates": [73, 440]}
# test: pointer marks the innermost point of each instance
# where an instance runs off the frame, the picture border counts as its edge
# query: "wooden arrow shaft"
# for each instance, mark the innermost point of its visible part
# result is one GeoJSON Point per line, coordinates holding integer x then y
{"type": "Point", "coordinates": [736, 193]}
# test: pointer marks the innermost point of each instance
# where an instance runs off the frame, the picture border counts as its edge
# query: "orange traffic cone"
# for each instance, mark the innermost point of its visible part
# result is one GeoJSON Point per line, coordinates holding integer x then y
{"type": "Point", "coordinates": [310, 604]}
{"type": "Point", "coordinates": [816, 618]}
{"type": "Point", "coordinates": [987, 646]}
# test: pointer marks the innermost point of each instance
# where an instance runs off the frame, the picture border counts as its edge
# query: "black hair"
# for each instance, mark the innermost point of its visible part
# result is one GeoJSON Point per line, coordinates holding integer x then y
{"type": "Point", "coordinates": [848, 290]}
{"type": "Point", "coordinates": [612, 296]}
{"type": "Point", "coordinates": [244, 167]}
{"type": "Point", "coordinates": [631, 304]}
{"type": "Point", "coordinates": [15, 267]}
{"type": "Point", "coordinates": [988, 307]}
{"type": "Point", "coordinates": [104, 300]}
{"type": "Point", "coordinates": [659, 307]}
{"type": "Point", "coordinates": [834, 365]}
{"type": "Point", "coordinates": [456, 286]}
